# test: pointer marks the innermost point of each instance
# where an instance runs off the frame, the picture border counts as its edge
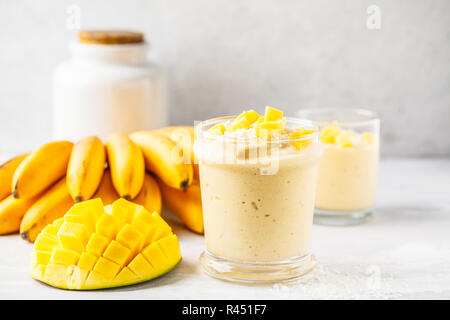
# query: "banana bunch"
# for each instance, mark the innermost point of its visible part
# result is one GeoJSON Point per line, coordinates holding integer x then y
{"type": "Point", "coordinates": [145, 167]}
{"type": "Point", "coordinates": [168, 153]}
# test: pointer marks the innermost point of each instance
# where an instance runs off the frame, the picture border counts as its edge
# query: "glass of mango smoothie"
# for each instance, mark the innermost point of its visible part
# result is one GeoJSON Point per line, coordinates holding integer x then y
{"type": "Point", "coordinates": [348, 168]}
{"type": "Point", "coordinates": [258, 180]}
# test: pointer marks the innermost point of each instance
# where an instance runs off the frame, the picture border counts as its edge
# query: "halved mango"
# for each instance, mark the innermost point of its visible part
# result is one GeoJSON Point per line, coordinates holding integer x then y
{"type": "Point", "coordinates": [94, 249]}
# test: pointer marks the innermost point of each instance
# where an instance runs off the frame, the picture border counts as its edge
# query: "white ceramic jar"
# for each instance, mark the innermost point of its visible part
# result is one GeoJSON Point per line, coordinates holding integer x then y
{"type": "Point", "coordinates": [107, 86]}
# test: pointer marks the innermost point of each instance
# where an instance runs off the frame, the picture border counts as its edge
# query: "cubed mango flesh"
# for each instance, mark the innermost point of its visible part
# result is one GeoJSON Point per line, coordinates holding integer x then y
{"type": "Point", "coordinates": [237, 124]}
{"type": "Point", "coordinates": [343, 139]}
{"type": "Point", "coordinates": [328, 134]}
{"type": "Point", "coordinates": [97, 244]}
{"type": "Point", "coordinates": [368, 138]}
{"type": "Point", "coordinates": [250, 115]}
{"type": "Point", "coordinates": [272, 114]}
{"type": "Point", "coordinates": [88, 249]}
{"type": "Point", "coordinates": [64, 256]}
{"type": "Point", "coordinates": [268, 129]}
{"type": "Point", "coordinates": [297, 136]}
{"type": "Point", "coordinates": [218, 129]}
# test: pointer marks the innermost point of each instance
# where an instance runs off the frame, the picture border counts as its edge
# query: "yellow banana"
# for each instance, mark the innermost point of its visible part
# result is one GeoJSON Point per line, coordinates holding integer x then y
{"type": "Point", "coordinates": [6, 175]}
{"type": "Point", "coordinates": [11, 213]}
{"type": "Point", "coordinates": [53, 204]}
{"type": "Point", "coordinates": [150, 195]}
{"type": "Point", "coordinates": [41, 169]}
{"type": "Point", "coordinates": [127, 165]}
{"type": "Point", "coordinates": [86, 167]}
{"type": "Point", "coordinates": [106, 190]}
{"type": "Point", "coordinates": [184, 135]}
{"type": "Point", "coordinates": [165, 158]}
{"type": "Point", "coordinates": [187, 204]}
{"type": "Point", "coordinates": [196, 172]}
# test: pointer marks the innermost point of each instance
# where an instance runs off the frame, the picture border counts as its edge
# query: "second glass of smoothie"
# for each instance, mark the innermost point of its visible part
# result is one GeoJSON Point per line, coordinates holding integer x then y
{"type": "Point", "coordinates": [348, 169]}
{"type": "Point", "coordinates": [258, 181]}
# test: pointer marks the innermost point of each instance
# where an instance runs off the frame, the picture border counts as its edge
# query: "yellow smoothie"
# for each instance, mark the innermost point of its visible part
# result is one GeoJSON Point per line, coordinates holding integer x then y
{"type": "Point", "coordinates": [258, 206]}
{"type": "Point", "coordinates": [348, 170]}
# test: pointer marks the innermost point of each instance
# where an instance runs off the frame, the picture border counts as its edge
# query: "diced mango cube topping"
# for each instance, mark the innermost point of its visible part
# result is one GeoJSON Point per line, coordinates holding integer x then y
{"type": "Point", "coordinates": [297, 135]}
{"type": "Point", "coordinates": [272, 114]}
{"type": "Point", "coordinates": [269, 125]}
{"type": "Point", "coordinates": [218, 129]}
{"type": "Point", "coordinates": [272, 124]}
{"type": "Point", "coordinates": [250, 115]}
{"type": "Point", "coordinates": [259, 120]}
{"type": "Point", "coordinates": [328, 135]}
{"type": "Point", "coordinates": [267, 129]}
{"type": "Point", "coordinates": [241, 123]}
{"type": "Point", "coordinates": [368, 138]}
{"type": "Point", "coordinates": [344, 138]}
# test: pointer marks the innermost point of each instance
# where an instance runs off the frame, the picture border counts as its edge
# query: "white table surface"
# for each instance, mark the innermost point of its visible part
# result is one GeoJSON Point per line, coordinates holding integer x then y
{"type": "Point", "coordinates": [403, 252]}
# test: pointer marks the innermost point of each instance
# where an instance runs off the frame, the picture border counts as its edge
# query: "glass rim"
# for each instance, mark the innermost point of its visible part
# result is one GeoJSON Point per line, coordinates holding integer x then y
{"type": "Point", "coordinates": [304, 123]}
{"type": "Point", "coordinates": [371, 116]}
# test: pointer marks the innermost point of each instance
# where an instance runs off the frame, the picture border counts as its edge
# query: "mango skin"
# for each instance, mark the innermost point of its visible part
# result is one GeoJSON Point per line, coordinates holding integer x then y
{"type": "Point", "coordinates": [112, 286]}
{"type": "Point", "coordinates": [126, 283]}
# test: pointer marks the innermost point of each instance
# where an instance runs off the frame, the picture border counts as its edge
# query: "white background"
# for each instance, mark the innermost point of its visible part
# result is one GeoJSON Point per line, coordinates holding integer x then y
{"type": "Point", "coordinates": [224, 55]}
